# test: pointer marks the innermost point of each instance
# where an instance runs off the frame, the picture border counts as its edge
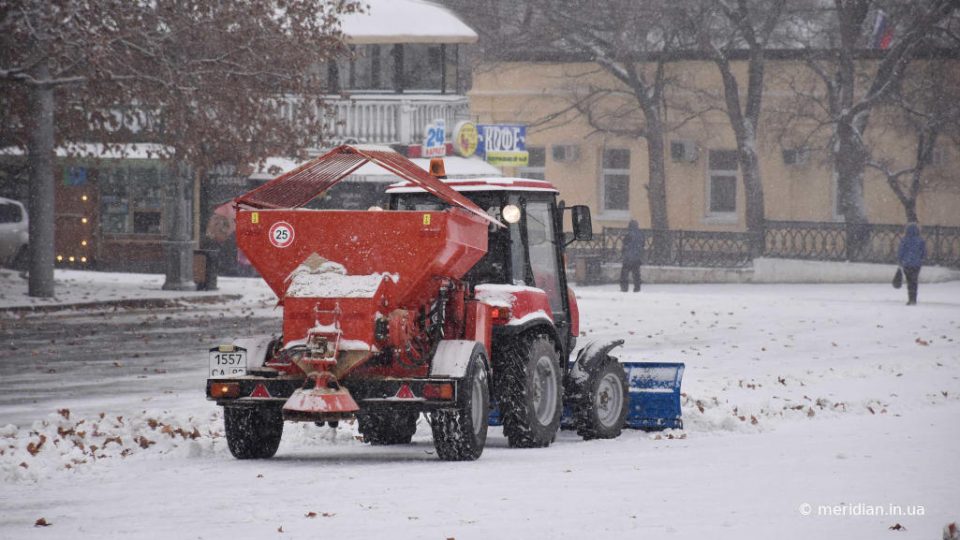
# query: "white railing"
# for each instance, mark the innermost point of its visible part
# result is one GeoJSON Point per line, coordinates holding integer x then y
{"type": "Point", "coordinates": [386, 118]}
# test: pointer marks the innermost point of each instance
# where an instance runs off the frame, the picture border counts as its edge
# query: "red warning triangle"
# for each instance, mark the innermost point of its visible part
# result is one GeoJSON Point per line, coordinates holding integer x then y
{"type": "Point", "coordinates": [405, 393]}
{"type": "Point", "coordinates": [260, 392]}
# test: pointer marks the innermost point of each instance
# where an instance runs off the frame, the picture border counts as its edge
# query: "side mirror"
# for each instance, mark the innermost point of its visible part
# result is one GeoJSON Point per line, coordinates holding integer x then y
{"type": "Point", "coordinates": [582, 225]}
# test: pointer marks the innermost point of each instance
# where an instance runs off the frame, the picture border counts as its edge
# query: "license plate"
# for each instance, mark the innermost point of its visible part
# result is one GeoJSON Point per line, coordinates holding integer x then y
{"type": "Point", "coordinates": [228, 361]}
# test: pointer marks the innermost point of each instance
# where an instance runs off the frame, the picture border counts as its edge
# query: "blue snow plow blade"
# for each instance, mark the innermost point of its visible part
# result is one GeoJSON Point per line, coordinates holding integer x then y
{"type": "Point", "coordinates": [653, 403]}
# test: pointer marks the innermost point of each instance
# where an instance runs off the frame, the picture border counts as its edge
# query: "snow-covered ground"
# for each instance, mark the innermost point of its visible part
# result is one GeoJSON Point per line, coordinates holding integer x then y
{"type": "Point", "coordinates": [84, 287]}
{"type": "Point", "coordinates": [834, 396]}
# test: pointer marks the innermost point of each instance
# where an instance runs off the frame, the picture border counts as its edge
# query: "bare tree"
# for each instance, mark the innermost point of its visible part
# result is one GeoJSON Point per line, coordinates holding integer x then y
{"type": "Point", "coordinates": [632, 44]}
{"type": "Point", "coordinates": [726, 31]}
{"type": "Point", "coordinates": [856, 80]}
{"type": "Point", "coordinates": [927, 109]}
{"type": "Point", "coordinates": [45, 46]}
{"type": "Point", "coordinates": [207, 80]}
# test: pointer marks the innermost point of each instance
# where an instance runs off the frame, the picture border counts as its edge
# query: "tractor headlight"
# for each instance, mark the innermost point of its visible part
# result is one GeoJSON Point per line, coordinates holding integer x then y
{"type": "Point", "coordinates": [511, 213]}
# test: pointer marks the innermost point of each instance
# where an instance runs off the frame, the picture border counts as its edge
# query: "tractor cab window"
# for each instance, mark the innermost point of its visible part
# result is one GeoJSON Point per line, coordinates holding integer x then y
{"type": "Point", "coordinates": [542, 242]}
{"type": "Point", "coordinates": [496, 266]}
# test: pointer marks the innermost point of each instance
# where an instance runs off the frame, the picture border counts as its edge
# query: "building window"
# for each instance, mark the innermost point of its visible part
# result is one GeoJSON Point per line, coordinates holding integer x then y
{"type": "Point", "coordinates": [615, 182]}
{"type": "Point", "coordinates": [371, 68]}
{"type": "Point", "coordinates": [794, 157]}
{"type": "Point", "coordinates": [722, 183]}
{"type": "Point", "coordinates": [416, 68]}
{"type": "Point", "coordinates": [132, 199]}
{"type": "Point", "coordinates": [536, 164]}
{"type": "Point", "coordinates": [938, 156]}
{"type": "Point", "coordinates": [423, 66]}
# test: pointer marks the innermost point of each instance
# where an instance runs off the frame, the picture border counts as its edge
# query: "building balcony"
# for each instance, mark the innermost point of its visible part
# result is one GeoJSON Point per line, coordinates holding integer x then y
{"type": "Point", "coordinates": [386, 118]}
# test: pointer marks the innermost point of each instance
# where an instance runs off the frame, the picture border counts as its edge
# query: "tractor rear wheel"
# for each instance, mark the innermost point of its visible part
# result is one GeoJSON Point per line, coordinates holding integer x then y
{"type": "Point", "coordinates": [460, 434]}
{"type": "Point", "coordinates": [253, 432]}
{"type": "Point", "coordinates": [601, 410]}
{"type": "Point", "coordinates": [382, 428]}
{"type": "Point", "coordinates": [530, 392]}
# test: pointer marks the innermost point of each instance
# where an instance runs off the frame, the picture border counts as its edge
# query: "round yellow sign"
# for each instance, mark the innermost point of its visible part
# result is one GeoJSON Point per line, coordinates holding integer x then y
{"type": "Point", "coordinates": [465, 138]}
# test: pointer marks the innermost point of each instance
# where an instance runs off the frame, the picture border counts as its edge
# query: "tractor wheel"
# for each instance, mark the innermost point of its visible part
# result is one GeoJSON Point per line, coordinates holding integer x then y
{"type": "Point", "coordinates": [530, 392]}
{"type": "Point", "coordinates": [382, 428]}
{"type": "Point", "coordinates": [601, 410]}
{"type": "Point", "coordinates": [460, 434]}
{"type": "Point", "coordinates": [253, 432]}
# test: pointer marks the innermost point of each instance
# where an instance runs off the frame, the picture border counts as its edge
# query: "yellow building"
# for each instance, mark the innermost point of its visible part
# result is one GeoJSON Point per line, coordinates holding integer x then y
{"type": "Point", "coordinates": [704, 191]}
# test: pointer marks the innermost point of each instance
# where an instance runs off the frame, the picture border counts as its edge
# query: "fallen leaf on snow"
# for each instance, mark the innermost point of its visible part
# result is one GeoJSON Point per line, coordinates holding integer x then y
{"type": "Point", "coordinates": [34, 448]}
{"type": "Point", "coordinates": [42, 522]}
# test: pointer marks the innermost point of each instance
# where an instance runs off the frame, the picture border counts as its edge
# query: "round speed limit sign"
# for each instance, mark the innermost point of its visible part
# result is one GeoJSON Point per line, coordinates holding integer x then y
{"type": "Point", "coordinates": [281, 234]}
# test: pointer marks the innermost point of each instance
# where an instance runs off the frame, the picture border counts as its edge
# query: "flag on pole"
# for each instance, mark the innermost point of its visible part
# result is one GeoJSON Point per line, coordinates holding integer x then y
{"type": "Point", "coordinates": [882, 32]}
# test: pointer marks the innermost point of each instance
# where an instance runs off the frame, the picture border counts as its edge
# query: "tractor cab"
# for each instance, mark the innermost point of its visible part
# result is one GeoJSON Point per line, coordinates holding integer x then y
{"type": "Point", "coordinates": [528, 250]}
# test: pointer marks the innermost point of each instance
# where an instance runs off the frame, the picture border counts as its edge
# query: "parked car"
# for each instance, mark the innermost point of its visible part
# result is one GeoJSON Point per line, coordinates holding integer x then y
{"type": "Point", "coordinates": [13, 234]}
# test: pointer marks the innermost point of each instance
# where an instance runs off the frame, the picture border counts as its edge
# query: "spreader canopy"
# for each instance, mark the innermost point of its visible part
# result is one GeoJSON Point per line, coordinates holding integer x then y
{"type": "Point", "coordinates": [301, 185]}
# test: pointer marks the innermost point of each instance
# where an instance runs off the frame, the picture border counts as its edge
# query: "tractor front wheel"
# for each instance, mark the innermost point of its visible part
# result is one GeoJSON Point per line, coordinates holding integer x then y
{"type": "Point", "coordinates": [460, 434]}
{"type": "Point", "coordinates": [253, 432]}
{"type": "Point", "coordinates": [601, 410]}
{"type": "Point", "coordinates": [382, 428]}
{"type": "Point", "coordinates": [530, 392]}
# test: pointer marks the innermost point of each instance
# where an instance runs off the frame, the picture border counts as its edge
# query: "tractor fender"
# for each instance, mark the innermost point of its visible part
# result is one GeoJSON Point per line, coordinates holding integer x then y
{"type": "Point", "coordinates": [452, 358]}
{"type": "Point", "coordinates": [541, 325]}
{"type": "Point", "coordinates": [590, 360]}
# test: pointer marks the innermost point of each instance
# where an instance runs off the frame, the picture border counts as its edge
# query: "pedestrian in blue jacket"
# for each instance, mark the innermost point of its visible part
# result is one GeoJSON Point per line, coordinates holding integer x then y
{"type": "Point", "coordinates": [912, 252]}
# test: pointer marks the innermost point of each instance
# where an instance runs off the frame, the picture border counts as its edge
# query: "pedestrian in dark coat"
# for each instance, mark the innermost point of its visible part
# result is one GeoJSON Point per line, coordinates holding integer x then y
{"type": "Point", "coordinates": [912, 252]}
{"type": "Point", "coordinates": [632, 256]}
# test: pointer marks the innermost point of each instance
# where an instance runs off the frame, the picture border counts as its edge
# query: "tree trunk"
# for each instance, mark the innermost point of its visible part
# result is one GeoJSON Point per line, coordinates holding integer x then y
{"type": "Point", "coordinates": [657, 183]}
{"type": "Point", "coordinates": [41, 204]}
{"type": "Point", "coordinates": [657, 189]}
{"type": "Point", "coordinates": [910, 209]}
{"type": "Point", "coordinates": [849, 165]}
{"type": "Point", "coordinates": [744, 124]}
{"type": "Point", "coordinates": [755, 212]}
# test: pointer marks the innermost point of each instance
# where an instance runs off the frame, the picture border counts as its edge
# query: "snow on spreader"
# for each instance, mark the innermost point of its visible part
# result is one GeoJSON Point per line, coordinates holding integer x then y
{"type": "Point", "coordinates": [454, 296]}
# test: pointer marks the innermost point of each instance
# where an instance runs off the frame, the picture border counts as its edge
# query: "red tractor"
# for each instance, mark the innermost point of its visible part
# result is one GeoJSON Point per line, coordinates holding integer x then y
{"type": "Point", "coordinates": [452, 302]}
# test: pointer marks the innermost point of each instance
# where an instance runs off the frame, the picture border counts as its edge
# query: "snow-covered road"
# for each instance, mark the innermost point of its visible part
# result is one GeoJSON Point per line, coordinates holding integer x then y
{"type": "Point", "coordinates": [824, 395]}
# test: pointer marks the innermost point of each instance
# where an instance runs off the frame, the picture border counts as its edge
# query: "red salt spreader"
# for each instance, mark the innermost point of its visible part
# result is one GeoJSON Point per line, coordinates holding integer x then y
{"type": "Point", "coordinates": [357, 284]}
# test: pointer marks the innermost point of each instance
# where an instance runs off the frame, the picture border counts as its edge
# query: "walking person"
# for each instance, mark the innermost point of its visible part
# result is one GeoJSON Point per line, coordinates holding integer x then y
{"type": "Point", "coordinates": [912, 252]}
{"type": "Point", "coordinates": [632, 256]}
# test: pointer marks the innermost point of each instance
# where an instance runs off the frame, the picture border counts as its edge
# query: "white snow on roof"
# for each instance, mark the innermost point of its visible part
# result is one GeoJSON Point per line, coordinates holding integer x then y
{"type": "Point", "coordinates": [97, 150]}
{"type": "Point", "coordinates": [405, 21]}
{"type": "Point", "coordinates": [371, 172]}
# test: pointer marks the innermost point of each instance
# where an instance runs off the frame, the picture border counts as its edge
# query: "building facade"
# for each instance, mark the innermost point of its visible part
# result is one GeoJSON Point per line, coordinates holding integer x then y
{"type": "Point", "coordinates": [704, 186]}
